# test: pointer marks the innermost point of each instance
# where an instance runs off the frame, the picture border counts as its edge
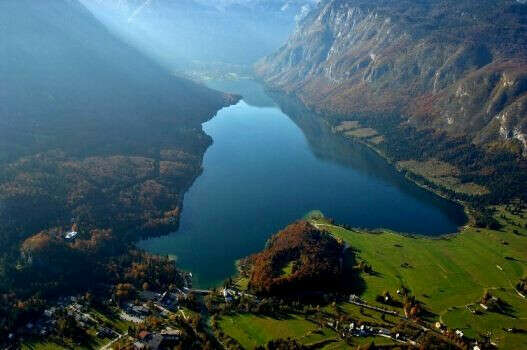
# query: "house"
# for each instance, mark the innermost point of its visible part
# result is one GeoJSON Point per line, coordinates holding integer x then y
{"type": "Point", "coordinates": [459, 333]}
{"type": "Point", "coordinates": [154, 341]}
{"type": "Point", "coordinates": [169, 299]}
{"type": "Point", "coordinates": [139, 345]}
{"type": "Point", "coordinates": [50, 312]}
{"type": "Point", "coordinates": [105, 332]}
{"type": "Point", "coordinates": [70, 236]}
{"type": "Point", "coordinates": [171, 334]}
{"type": "Point", "coordinates": [384, 332]}
{"type": "Point", "coordinates": [139, 310]}
{"type": "Point", "coordinates": [227, 295]}
{"type": "Point", "coordinates": [143, 335]}
{"type": "Point", "coordinates": [149, 295]}
{"type": "Point", "coordinates": [354, 299]}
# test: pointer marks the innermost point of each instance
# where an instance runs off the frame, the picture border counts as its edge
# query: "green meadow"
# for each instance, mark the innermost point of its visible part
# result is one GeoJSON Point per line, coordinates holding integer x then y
{"type": "Point", "coordinates": [251, 330]}
{"type": "Point", "coordinates": [448, 275]}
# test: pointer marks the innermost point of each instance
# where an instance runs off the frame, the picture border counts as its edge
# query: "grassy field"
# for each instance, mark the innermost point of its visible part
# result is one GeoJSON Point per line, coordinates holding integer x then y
{"type": "Point", "coordinates": [111, 318]}
{"type": "Point", "coordinates": [39, 344]}
{"type": "Point", "coordinates": [445, 274]}
{"type": "Point", "coordinates": [251, 330]}
{"type": "Point", "coordinates": [348, 125]}
{"type": "Point", "coordinates": [288, 269]}
{"type": "Point", "coordinates": [449, 273]}
{"type": "Point", "coordinates": [36, 344]}
{"type": "Point", "coordinates": [362, 133]}
{"type": "Point", "coordinates": [442, 174]}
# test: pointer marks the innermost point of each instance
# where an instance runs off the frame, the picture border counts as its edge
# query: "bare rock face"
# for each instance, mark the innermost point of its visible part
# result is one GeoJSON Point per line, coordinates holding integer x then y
{"type": "Point", "coordinates": [458, 66]}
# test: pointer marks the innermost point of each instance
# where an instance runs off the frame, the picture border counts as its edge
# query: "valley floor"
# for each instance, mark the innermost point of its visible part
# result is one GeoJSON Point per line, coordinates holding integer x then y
{"type": "Point", "coordinates": [448, 275]}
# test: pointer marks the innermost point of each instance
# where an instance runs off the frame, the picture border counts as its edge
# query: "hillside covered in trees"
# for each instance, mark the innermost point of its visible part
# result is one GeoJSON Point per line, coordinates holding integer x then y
{"type": "Point", "coordinates": [93, 134]}
{"type": "Point", "coordinates": [299, 259]}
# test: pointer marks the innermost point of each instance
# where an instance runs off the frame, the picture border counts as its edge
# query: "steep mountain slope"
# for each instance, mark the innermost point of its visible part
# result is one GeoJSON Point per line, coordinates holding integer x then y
{"type": "Point", "coordinates": [179, 32]}
{"type": "Point", "coordinates": [450, 65]}
{"type": "Point", "coordinates": [90, 129]}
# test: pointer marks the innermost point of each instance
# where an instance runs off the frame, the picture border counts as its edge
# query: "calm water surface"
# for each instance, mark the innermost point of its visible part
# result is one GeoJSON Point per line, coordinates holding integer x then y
{"type": "Point", "coordinates": [269, 165]}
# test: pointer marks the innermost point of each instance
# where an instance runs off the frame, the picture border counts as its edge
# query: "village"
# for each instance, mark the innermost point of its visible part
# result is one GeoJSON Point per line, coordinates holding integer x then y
{"type": "Point", "coordinates": [123, 317]}
{"type": "Point", "coordinates": [147, 319]}
{"type": "Point", "coordinates": [154, 320]}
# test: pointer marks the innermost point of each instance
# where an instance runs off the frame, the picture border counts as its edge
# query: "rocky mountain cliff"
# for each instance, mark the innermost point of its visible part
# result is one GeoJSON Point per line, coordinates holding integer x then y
{"type": "Point", "coordinates": [458, 66]}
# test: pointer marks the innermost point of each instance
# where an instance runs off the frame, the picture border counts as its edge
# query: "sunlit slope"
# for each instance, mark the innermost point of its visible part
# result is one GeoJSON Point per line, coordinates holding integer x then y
{"type": "Point", "coordinates": [178, 33]}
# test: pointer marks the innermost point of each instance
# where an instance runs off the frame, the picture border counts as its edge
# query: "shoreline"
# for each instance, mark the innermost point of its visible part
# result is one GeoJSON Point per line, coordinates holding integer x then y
{"type": "Point", "coordinates": [438, 193]}
{"type": "Point", "coordinates": [464, 205]}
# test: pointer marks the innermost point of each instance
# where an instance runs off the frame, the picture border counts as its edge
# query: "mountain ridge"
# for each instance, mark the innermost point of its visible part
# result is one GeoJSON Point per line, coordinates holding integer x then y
{"type": "Point", "coordinates": [455, 66]}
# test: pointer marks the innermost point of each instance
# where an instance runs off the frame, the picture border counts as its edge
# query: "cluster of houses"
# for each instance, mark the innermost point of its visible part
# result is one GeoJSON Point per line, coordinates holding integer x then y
{"type": "Point", "coordinates": [165, 302]}
{"type": "Point", "coordinates": [231, 294]}
{"type": "Point", "coordinates": [165, 339]}
{"type": "Point", "coordinates": [363, 330]}
{"type": "Point", "coordinates": [167, 299]}
{"type": "Point", "coordinates": [46, 324]}
{"type": "Point", "coordinates": [138, 311]}
{"type": "Point", "coordinates": [71, 306]}
{"type": "Point", "coordinates": [228, 295]}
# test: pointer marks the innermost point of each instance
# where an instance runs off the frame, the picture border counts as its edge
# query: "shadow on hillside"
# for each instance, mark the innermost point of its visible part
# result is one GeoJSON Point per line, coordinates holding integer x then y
{"type": "Point", "coordinates": [352, 280]}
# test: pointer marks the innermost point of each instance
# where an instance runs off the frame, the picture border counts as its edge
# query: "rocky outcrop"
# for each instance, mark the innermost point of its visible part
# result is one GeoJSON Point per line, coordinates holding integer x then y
{"type": "Point", "coordinates": [458, 66]}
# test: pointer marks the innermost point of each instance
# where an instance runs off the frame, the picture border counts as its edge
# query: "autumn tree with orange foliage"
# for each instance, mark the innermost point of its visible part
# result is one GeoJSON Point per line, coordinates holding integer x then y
{"type": "Point", "coordinates": [313, 254]}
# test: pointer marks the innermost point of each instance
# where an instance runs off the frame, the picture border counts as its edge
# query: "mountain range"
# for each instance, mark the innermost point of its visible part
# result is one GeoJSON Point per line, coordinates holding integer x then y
{"type": "Point", "coordinates": [459, 67]}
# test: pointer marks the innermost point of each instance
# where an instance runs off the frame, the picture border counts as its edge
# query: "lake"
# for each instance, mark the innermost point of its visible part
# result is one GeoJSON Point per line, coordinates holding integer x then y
{"type": "Point", "coordinates": [270, 164]}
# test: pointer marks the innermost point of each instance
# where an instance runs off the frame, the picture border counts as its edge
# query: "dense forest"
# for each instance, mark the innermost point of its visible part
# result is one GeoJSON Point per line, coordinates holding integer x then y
{"type": "Point", "coordinates": [92, 135]}
{"type": "Point", "coordinates": [297, 260]}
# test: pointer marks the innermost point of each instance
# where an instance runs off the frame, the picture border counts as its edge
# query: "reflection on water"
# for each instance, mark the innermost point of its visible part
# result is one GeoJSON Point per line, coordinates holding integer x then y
{"type": "Point", "coordinates": [335, 148]}
{"type": "Point", "coordinates": [269, 166]}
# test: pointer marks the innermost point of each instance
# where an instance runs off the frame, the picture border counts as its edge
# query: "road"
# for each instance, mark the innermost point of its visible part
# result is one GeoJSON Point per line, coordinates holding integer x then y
{"type": "Point", "coordinates": [108, 346]}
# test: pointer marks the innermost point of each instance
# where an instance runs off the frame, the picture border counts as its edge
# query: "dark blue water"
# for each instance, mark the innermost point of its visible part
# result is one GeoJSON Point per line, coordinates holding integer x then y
{"type": "Point", "coordinates": [267, 168]}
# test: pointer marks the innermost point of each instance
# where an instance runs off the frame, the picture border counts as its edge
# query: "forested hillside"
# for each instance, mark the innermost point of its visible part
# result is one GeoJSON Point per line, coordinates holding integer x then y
{"type": "Point", "coordinates": [93, 134]}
